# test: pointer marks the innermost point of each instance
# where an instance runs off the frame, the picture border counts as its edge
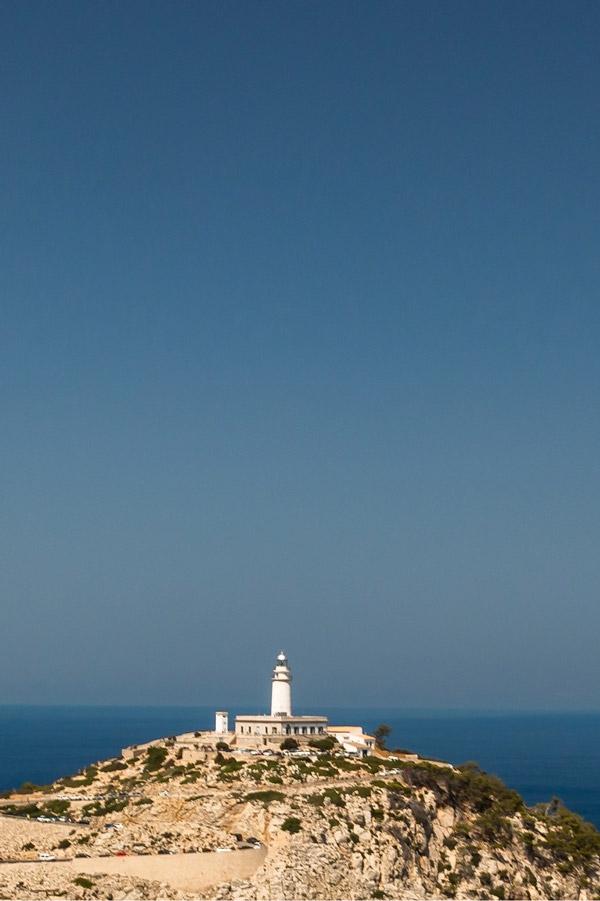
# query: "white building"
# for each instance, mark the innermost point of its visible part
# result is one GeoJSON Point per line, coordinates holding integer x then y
{"type": "Point", "coordinates": [353, 740]}
{"type": "Point", "coordinates": [263, 729]}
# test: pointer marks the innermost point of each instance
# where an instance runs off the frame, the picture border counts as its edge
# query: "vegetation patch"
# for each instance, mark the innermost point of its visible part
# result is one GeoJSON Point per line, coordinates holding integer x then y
{"type": "Point", "coordinates": [291, 824]}
{"type": "Point", "coordinates": [27, 788]}
{"type": "Point", "coordinates": [572, 840]}
{"type": "Point", "coordinates": [391, 785]}
{"type": "Point", "coordinates": [101, 809]}
{"type": "Point", "coordinates": [265, 796]}
{"type": "Point", "coordinates": [57, 808]}
{"type": "Point", "coordinates": [114, 766]}
{"type": "Point", "coordinates": [155, 758]}
{"type": "Point", "coordinates": [335, 797]}
{"type": "Point", "coordinates": [323, 744]}
{"type": "Point", "coordinates": [85, 777]}
{"type": "Point", "coordinates": [347, 766]}
{"type": "Point", "coordinates": [363, 791]}
{"type": "Point", "coordinates": [83, 882]}
{"type": "Point", "coordinates": [25, 810]}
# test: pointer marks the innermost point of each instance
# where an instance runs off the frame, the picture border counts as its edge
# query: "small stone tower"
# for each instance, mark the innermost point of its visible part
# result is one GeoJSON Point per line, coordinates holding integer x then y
{"type": "Point", "coordinates": [281, 691]}
{"type": "Point", "coordinates": [221, 722]}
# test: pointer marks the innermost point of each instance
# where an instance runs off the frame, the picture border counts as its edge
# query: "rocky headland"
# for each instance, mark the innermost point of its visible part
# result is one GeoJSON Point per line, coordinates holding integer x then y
{"type": "Point", "coordinates": [241, 826]}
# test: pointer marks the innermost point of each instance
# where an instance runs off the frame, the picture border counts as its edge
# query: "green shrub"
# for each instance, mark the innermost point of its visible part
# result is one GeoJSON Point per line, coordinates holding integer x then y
{"type": "Point", "coordinates": [64, 843]}
{"type": "Point", "coordinates": [58, 808]}
{"type": "Point", "coordinates": [335, 797]}
{"type": "Point", "coordinates": [289, 744]}
{"type": "Point", "coordinates": [85, 778]}
{"type": "Point", "coordinates": [26, 788]}
{"type": "Point", "coordinates": [232, 765]}
{"type": "Point", "coordinates": [83, 882]}
{"type": "Point", "coordinates": [114, 766]}
{"type": "Point", "coordinates": [291, 824]}
{"type": "Point", "coordinates": [347, 766]}
{"type": "Point", "coordinates": [323, 744]}
{"type": "Point", "coordinates": [99, 809]}
{"type": "Point", "coordinates": [26, 810]}
{"type": "Point", "coordinates": [155, 758]}
{"type": "Point", "coordinates": [222, 746]}
{"type": "Point", "coordinates": [363, 791]}
{"type": "Point", "coordinates": [265, 796]}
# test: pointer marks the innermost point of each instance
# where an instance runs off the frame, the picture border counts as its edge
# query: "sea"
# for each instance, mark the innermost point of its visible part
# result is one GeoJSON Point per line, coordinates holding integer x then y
{"type": "Point", "coordinates": [541, 755]}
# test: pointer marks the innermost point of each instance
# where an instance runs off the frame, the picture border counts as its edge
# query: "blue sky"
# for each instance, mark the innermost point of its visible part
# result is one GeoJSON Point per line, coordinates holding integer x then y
{"type": "Point", "coordinates": [299, 348]}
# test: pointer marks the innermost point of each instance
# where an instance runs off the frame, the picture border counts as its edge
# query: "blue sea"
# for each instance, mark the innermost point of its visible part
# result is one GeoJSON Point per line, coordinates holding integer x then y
{"type": "Point", "coordinates": [539, 754]}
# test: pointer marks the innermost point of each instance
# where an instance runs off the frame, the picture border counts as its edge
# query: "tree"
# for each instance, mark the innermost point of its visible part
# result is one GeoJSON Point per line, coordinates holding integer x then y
{"type": "Point", "coordinates": [381, 733]}
{"type": "Point", "coordinates": [289, 744]}
{"type": "Point", "coordinates": [222, 746]}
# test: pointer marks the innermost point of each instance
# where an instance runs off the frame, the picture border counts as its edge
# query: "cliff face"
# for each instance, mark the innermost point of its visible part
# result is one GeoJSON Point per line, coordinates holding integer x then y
{"type": "Point", "coordinates": [331, 828]}
{"type": "Point", "coordinates": [395, 840]}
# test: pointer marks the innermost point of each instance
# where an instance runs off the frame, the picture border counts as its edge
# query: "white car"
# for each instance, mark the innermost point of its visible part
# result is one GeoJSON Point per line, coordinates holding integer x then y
{"type": "Point", "coordinates": [45, 856]}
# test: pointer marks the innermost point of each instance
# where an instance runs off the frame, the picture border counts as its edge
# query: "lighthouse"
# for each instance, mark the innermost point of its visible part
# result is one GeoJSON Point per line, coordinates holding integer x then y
{"type": "Point", "coordinates": [262, 730]}
{"type": "Point", "coordinates": [281, 687]}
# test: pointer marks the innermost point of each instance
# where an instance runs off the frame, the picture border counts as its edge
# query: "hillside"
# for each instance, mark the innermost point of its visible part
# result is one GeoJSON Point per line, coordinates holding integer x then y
{"type": "Point", "coordinates": [295, 827]}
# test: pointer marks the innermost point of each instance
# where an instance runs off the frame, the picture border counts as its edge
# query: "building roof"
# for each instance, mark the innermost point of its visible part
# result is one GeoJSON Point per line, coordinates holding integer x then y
{"type": "Point", "coordinates": [278, 718]}
{"type": "Point", "coordinates": [357, 729]}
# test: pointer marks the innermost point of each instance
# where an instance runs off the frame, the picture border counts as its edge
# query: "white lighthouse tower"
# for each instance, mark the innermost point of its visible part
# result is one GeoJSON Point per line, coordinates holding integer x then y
{"type": "Point", "coordinates": [281, 691]}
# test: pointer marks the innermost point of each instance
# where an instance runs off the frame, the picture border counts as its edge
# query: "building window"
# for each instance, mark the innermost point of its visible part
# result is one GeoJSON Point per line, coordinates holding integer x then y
{"type": "Point", "coordinates": [312, 730]}
{"type": "Point", "coordinates": [274, 730]}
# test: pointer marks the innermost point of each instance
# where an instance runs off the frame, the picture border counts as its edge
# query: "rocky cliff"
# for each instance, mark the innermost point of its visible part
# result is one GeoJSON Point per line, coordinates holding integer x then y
{"type": "Point", "coordinates": [332, 828]}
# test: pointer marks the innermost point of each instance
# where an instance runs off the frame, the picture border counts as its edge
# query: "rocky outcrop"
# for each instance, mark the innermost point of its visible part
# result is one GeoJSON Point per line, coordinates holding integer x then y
{"type": "Point", "coordinates": [333, 828]}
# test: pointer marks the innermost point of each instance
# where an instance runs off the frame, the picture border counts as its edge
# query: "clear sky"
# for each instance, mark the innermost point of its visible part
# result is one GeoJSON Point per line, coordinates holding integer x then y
{"type": "Point", "coordinates": [300, 348]}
